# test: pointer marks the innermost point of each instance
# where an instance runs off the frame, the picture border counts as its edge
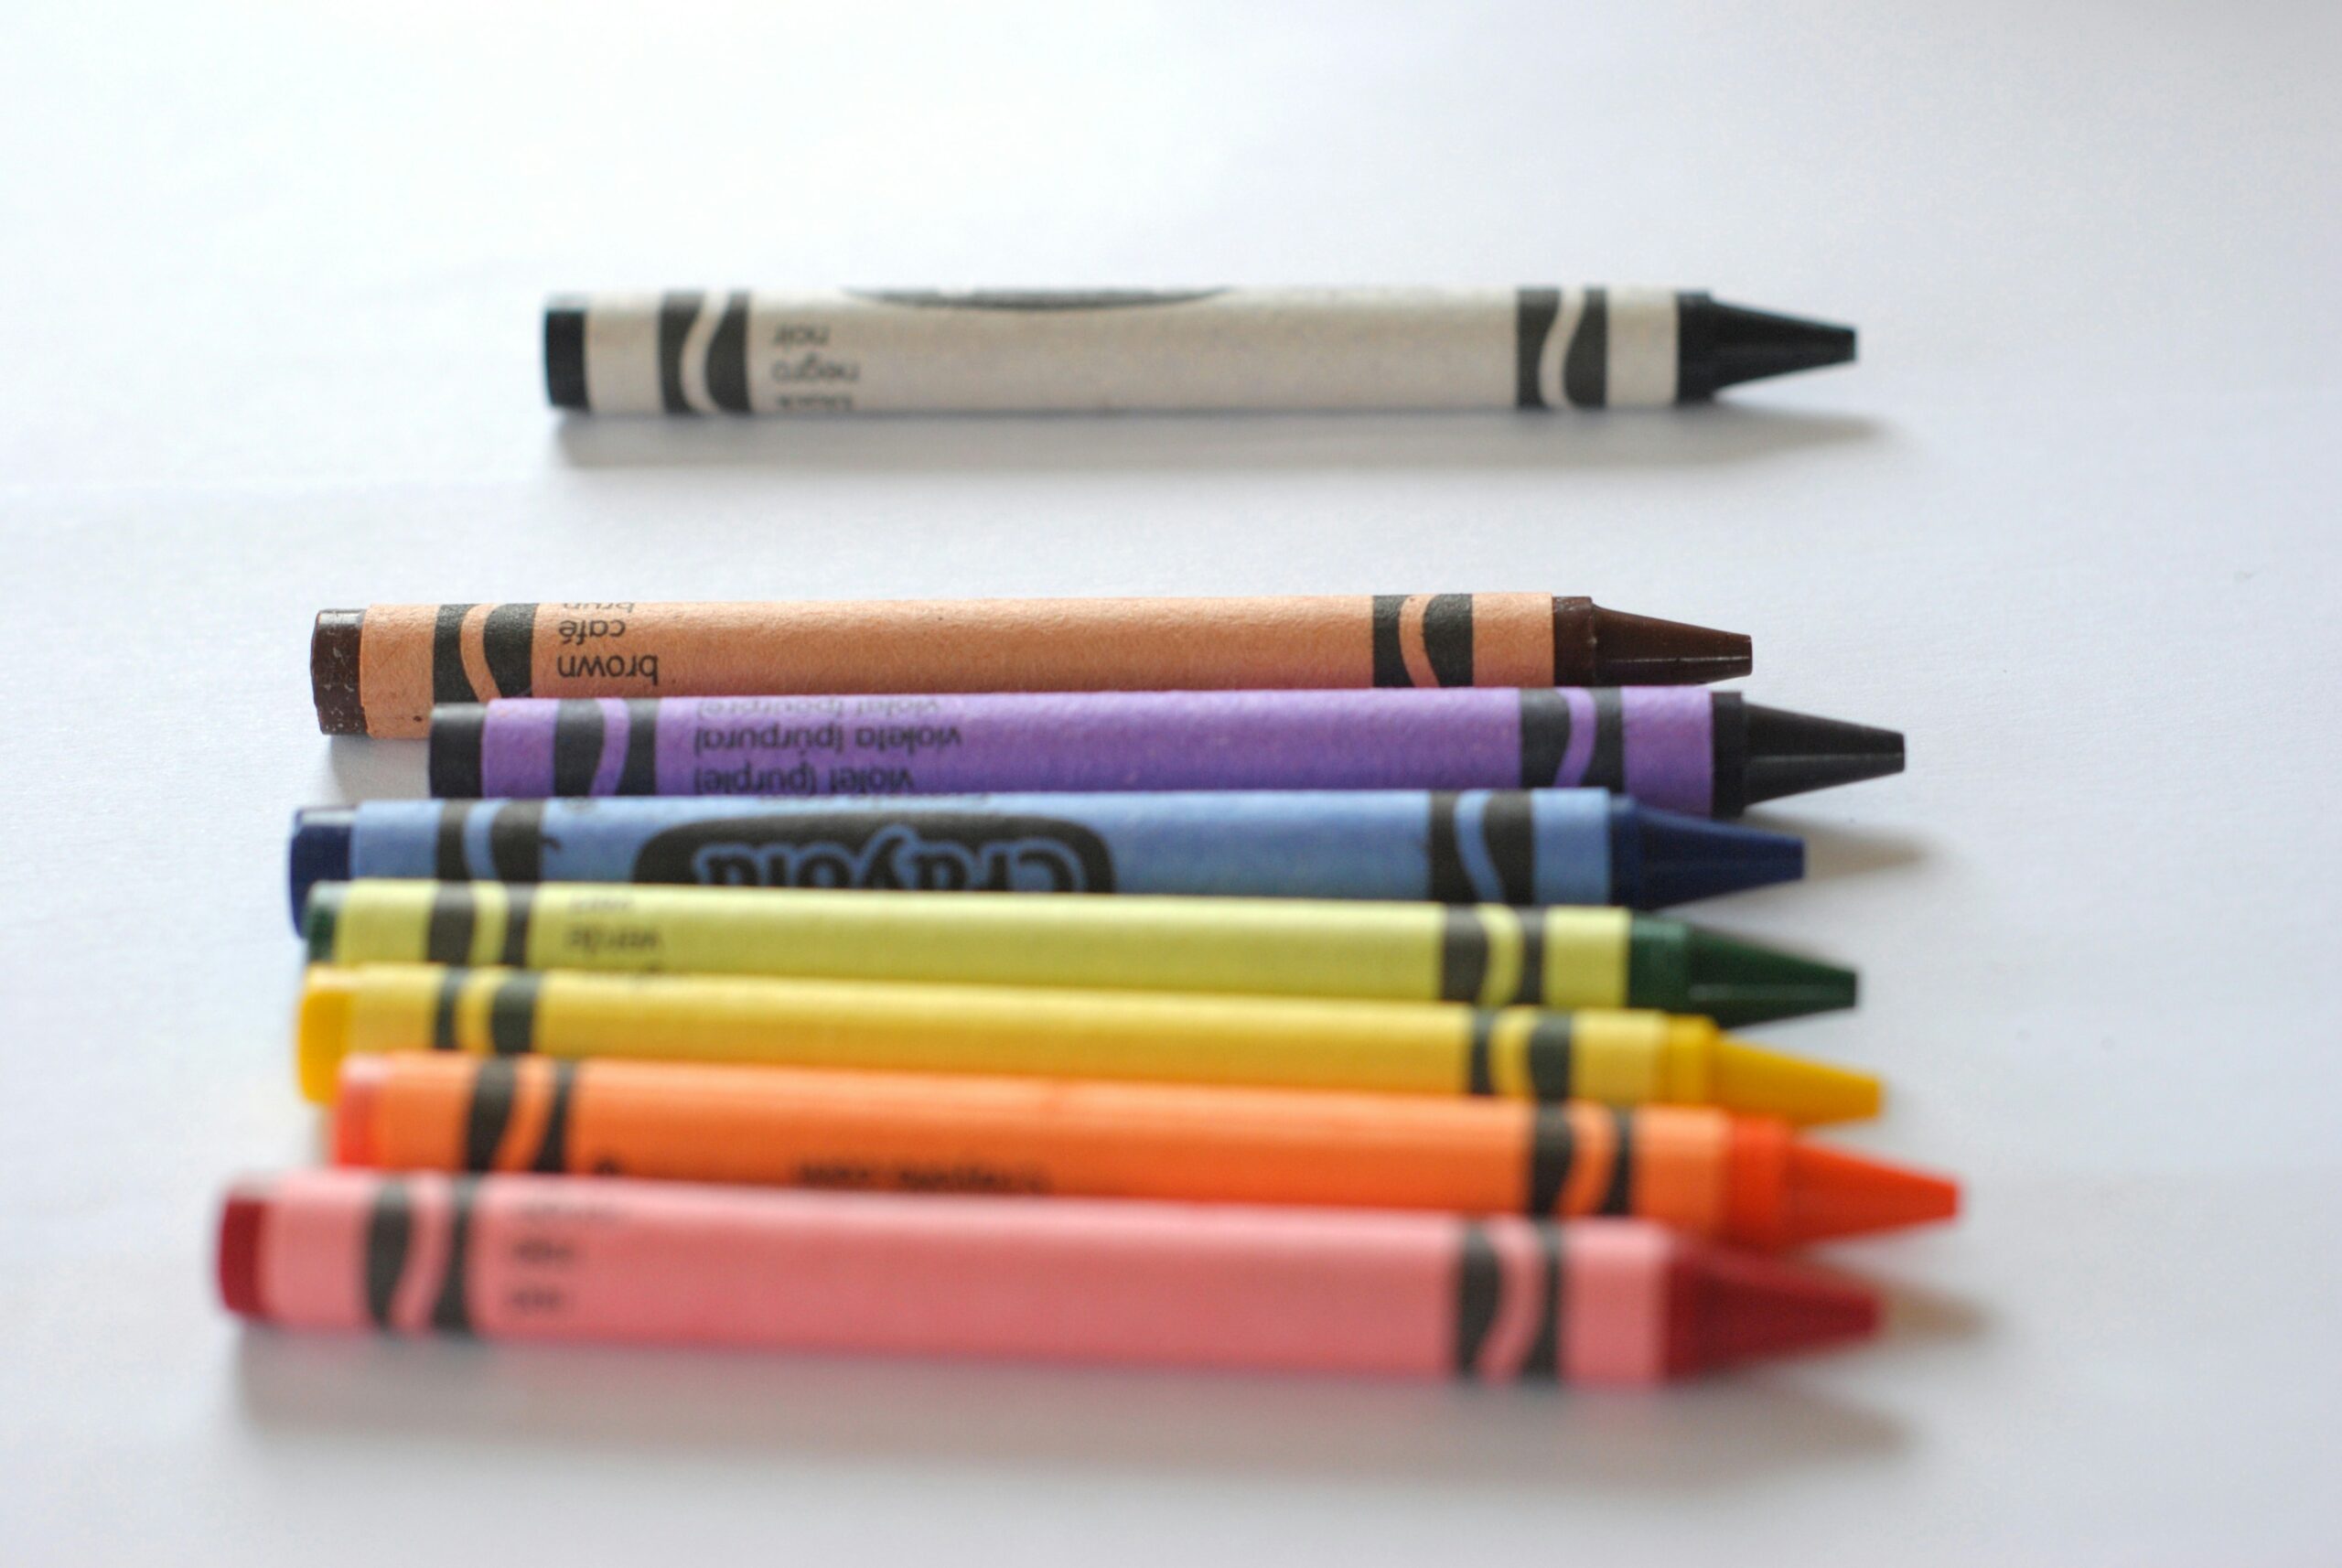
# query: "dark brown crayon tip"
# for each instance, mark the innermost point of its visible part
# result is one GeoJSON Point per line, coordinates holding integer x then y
{"type": "Point", "coordinates": [333, 671]}
{"type": "Point", "coordinates": [1642, 650]}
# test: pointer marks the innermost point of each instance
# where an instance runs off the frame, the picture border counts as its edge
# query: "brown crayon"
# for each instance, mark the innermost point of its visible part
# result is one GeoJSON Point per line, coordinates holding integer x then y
{"type": "Point", "coordinates": [379, 670]}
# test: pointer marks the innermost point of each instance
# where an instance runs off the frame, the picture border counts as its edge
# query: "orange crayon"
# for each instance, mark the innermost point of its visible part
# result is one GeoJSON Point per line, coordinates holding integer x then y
{"type": "Point", "coordinates": [379, 670]}
{"type": "Point", "coordinates": [1700, 1171]}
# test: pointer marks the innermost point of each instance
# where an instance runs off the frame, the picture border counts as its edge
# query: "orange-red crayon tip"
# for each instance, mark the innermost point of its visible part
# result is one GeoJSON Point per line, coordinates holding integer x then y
{"type": "Point", "coordinates": [359, 1091]}
{"type": "Point", "coordinates": [1784, 1192]}
{"type": "Point", "coordinates": [1832, 1193]}
{"type": "Point", "coordinates": [1743, 1306]}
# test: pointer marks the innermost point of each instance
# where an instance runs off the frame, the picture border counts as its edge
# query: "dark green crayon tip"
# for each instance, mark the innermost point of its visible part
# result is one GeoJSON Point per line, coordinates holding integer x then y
{"type": "Point", "coordinates": [320, 918]}
{"type": "Point", "coordinates": [1740, 982]}
{"type": "Point", "coordinates": [1679, 969]}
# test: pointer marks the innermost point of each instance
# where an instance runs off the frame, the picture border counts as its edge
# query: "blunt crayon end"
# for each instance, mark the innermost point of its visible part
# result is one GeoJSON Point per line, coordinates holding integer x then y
{"type": "Point", "coordinates": [1733, 1306]}
{"type": "Point", "coordinates": [358, 1098]}
{"type": "Point", "coordinates": [241, 1215]}
{"type": "Point", "coordinates": [1680, 858]}
{"type": "Point", "coordinates": [1791, 754]}
{"type": "Point", "coordinates": [1832, 1192]}
{"type": "Point", "coordinates": [1723, 345]}
{"type": "Point", "coordinates": [1739, 983]}
{"type": "Point", "coordinates": [453, 753]}
{"type": "Point", "coordinates": [565, 352]}
{"type": "Point", "coordinates": [321, 919]}
{"type": "Point", "coordinates": [1643, 651]}
{"type": "Point", "coordinates": [1757, 1082]}
{"type": "Point", "coordinates": [333, 671]}
{"type": "Point", "coordinates": [319, 852]}
{"type": "Point", "coordinates": [321, 1037]}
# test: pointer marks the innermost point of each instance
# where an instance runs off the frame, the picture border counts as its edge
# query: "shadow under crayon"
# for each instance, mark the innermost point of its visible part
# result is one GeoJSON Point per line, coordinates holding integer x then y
{"type": "Point", "coordinates": [1924, 1315]}
{"type": "Point", "coordinates": [1714, 434]}
{"type": "Point", "coordinates": [1721, 1433]}
{"type": "Point", "coordinates": [363, 769]}
{"type": "Point", "coordinates": [1835, 850]}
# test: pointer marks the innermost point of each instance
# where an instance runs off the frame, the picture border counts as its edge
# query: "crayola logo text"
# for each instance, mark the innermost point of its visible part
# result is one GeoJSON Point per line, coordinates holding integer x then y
{"type": "Point", "coordinates": [925, 852]}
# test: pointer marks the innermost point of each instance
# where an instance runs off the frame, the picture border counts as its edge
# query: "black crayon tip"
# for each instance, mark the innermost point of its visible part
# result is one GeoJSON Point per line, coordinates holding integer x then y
{"type": "Point", "coordinates": [1790, 753]}
{"type": "Point", "coordinates": [1642, 650]}
{"type": "Point", "coordinates": [1723, 345]}
{"type": "Point", "coordinates": [458, 737]}
{"type": "Point", "coordinates": [565, 352]}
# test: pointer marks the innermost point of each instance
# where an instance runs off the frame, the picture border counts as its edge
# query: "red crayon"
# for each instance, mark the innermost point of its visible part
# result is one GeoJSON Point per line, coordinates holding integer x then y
{"type": "Point", "coordinates": [1494, 1300]}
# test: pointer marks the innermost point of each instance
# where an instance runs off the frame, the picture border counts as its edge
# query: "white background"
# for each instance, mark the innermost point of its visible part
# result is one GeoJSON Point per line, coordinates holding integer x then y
{"type": "Point", "coordinates": [268, 288]}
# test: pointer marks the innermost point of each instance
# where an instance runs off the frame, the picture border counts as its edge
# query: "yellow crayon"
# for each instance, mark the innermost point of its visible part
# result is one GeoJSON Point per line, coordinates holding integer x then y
{"type": "Point", "coordinates": [1617, 1057]}
{"type": "Point", "coordinates": [1487, 955]}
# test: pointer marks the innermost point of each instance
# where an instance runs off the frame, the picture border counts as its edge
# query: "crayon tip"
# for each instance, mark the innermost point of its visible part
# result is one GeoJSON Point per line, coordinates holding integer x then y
{"type": "Point", "coordinates": [1723, 345]}
{"type": "Point", "coordinates": [1754, 1081]}
{"type": "Point", "coordinates": [1832, 1192]}
{"type": "Point", "coordinates": [333, 671]}
{"type": "Point", "coordinates": [452, 752]}
{"type": "Point", "coordinates": [1740, 982]}
{"type": "Point", "coordinates": [1733, 1306]}
{"type": "Point", "coordinates": [321, 1034]}
{"type": "Point", "coordinates": [1677, 858]}
{"type": "Point", "coordinates": [1790, 753]}
{"type": "Point", "coordinates": [1643, 651]}
{"type": "Point", "coordinates": [241, 1214]}
{"type": "Point", "coordinates": [565, 352]}
{"type": "Point", "coordinates": [320, 851]}
{"type": "Point", "coordinates": [357, 1097]}
{"type": "Point", "coordinates": [320, 918]}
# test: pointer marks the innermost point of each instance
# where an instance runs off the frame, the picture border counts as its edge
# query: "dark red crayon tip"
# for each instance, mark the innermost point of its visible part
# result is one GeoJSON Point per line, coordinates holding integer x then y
{"type": "Point", "coordinates": [241, 1215]}
{"type": "Point", "coordinates": [1726, 1307]}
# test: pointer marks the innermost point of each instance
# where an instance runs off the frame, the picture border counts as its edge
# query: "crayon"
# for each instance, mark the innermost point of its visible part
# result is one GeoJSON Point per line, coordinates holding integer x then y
{"type": "Point", "coordinates": [1381, 1047]}
{"type": "Point", "coordinates": [1488, 954]}
{"type": "Point", "coordinates": [1530, 847]}
{"type": "Point", "coordinates": [1707, 753]}
{"type": "Point", "coordinates": [835, 351]}
{"type": "Point", "coordinates": [1428, 1295]}
{"type": "Point", "coordinates": [379, 670]}
{"type": "Point", "coordinates": [1746, 1180]}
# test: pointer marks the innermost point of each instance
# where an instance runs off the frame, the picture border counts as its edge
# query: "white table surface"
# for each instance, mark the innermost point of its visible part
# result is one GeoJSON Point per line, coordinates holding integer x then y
{"type": "Point", "coordinates": [268, 309]}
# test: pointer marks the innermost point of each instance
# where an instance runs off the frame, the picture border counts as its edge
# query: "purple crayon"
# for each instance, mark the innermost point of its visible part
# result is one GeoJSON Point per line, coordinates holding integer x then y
{"type": "Point", "coordinates": [1679, 748]}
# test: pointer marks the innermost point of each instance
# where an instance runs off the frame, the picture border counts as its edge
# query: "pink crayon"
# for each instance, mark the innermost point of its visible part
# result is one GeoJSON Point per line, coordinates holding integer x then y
{"type": "Point", "coordinates": [1494, 1300]}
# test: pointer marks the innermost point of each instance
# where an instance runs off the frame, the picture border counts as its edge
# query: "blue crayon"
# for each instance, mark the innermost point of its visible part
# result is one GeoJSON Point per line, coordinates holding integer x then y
{"type": "Point", "coordinates": [1476, 846]}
